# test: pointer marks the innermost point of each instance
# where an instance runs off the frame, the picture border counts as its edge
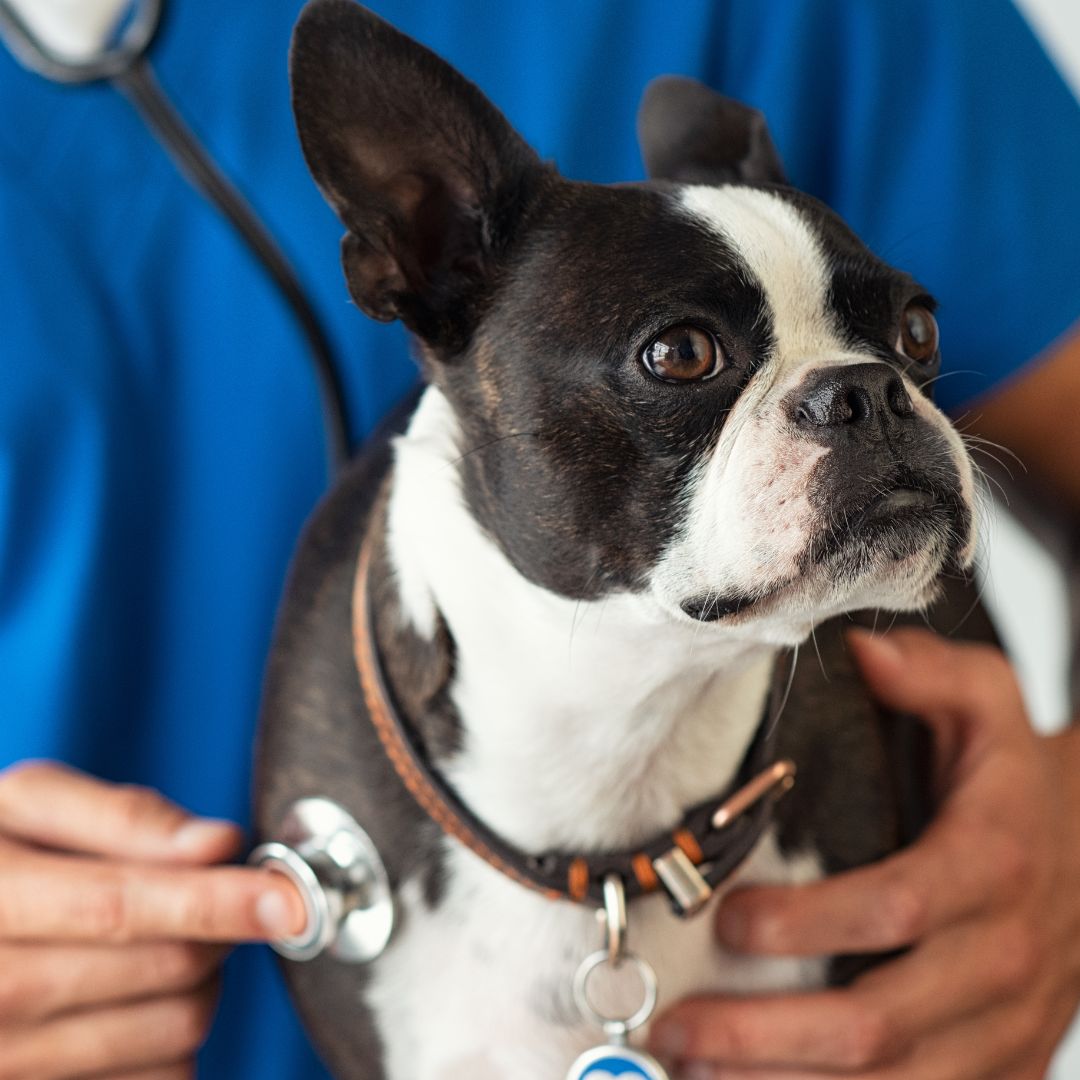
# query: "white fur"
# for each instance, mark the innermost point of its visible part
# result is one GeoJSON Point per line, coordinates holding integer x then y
{"type": "Point", "coordinates": [596, 723]}
{"type": "Point", "coordinates": [479, 988]}
{"type": "Point", "coordinates": [773, 239]}
{"type": "Point", "coordinates": [749, 517]}
{"type": "Point", "coordinates": [590, 724]}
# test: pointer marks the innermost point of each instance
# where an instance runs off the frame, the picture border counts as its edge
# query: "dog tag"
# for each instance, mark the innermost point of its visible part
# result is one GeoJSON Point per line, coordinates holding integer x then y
{"type": "Point", "coordinates": [616, 1063]}
{"type": "Point", "coordinates": [617, 1060]}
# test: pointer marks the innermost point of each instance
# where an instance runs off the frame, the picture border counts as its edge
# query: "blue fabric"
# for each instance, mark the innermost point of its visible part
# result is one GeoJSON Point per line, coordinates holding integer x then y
{"type": "Point", "coordinates": [160, 441]}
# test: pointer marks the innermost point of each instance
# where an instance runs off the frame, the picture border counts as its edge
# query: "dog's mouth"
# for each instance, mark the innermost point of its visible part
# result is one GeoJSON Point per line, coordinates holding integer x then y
{"type": "Point", "coordinates": [905, 512]}
{"type": "Point", "coordinates": [915, 517]}
{"type": "Point", "coordinates": [711, 607]}
{"type": "Point", "coordinates": [894, 524]}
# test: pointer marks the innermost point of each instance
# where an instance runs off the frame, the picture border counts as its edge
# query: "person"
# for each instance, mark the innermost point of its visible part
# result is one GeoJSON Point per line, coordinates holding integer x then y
{"type": "Point", "coordinates": [160, 448]}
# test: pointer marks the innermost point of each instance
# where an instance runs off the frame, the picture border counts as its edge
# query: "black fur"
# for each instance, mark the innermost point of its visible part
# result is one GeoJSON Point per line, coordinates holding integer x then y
{"type": "Point", "coordinates": [574, 457]}
{"type": "Point", "coordinates": [426, 174]}
{"type": "Point", "coordinates": [532, 299]}
{"type": "Point", "coordinates": [690, 134]}
{"type": "Point", "coordinates": [526, 290]}
{"type": "Point", "coordinates": [863, 787]}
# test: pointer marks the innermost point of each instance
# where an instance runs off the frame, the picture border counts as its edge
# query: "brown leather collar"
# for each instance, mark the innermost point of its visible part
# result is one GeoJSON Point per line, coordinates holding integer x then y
{"type": "Point", "coordinates": [706, 847]}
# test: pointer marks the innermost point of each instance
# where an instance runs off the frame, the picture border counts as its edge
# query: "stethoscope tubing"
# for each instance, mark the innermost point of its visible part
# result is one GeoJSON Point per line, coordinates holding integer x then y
{"type": "Point", "coordinates": [125, 65]}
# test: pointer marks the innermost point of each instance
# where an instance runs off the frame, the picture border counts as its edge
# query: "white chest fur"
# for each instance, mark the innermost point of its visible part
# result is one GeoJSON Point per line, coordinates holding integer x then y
{"type": "Point", "coordinates": [585, 725]}
{"type": "Point", "coordinates": [479, 989]}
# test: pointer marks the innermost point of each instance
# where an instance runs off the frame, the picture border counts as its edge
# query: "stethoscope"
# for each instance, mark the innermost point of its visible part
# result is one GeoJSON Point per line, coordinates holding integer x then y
{"type": "Point", "coordinates": [320, 847]}
{"type": "Point", "coordinates": [123, 63]}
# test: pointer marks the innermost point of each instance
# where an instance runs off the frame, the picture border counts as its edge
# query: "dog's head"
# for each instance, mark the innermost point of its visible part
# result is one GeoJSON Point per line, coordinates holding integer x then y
{"type": "Point", "coordinates": [703, 389]}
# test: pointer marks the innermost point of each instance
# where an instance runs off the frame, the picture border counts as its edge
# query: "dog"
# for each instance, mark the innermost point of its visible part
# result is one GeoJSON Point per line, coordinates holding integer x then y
{"type": "Point", "coordinates": [668, 429]}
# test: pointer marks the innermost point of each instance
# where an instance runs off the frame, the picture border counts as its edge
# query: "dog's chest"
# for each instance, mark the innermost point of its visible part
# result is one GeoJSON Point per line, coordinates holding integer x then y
{"type": "Point", "coordinates": [480, 986]}
{"type": "Point", "coordinates": [584, 726]}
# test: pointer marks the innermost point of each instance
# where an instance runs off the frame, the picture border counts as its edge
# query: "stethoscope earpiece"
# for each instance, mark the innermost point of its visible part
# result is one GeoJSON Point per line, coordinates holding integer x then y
{"type": "Point", "coordinates": [112, 59]}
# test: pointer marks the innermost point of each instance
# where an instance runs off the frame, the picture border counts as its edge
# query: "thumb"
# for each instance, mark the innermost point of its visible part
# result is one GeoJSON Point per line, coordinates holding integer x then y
{"type": "Point", "coordinates": [966, 693]}
{"type": "Point", "coordinates": [917, 671]}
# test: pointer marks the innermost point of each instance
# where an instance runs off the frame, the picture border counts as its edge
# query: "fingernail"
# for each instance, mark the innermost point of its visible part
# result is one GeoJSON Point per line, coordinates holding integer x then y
{"type": "Point", "coordinates": [275, 914]}
{"type": "Point", "coordinates": [669, 1038]}
{"type": "Point", "coordinates": [881, 644]}
{"type": "Point", "coordinates": [698, 1072]}
{"type": "Point", "coordinates": [196, 836]}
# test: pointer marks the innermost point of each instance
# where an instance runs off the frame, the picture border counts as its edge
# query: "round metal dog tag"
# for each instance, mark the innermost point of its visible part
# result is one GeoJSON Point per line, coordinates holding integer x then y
{"type": "Point", "coordinates": [616, 1063]}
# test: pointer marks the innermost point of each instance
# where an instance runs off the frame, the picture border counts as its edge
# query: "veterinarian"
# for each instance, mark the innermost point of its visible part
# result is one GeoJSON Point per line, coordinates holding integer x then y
{"type": "Point", "coordinates": [160, 446]}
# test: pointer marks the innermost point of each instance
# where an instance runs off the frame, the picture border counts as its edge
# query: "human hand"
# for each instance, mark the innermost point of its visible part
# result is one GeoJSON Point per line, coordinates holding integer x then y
{"type": "Point", "coordinates": [987, 903]}
{"type": "Point", "coordinates": [113, 921]}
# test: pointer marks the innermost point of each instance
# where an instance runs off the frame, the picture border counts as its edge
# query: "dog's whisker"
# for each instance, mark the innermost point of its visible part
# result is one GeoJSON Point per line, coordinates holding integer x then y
{"type": "Point", "coordinates": [492, 442]}
{"type": "Point", "coordinates": [775, 719]}
{"type": "Point", "coordinates": [947, 374]}
{"type": "Point", "coordinates": [984, 495]}
{"type": "Point", "coordinates": [817, 650]}
{"type": "Point", "coordinates": [984, 443]}
{"type": "Point", "coordinates": [980, 589]}
{"type": "Point", "coordinates": [973, 450]}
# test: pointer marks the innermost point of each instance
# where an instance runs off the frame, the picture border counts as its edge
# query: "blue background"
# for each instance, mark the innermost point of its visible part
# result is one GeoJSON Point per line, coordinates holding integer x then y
{"type": "Point", "coordinates": [160, 442]}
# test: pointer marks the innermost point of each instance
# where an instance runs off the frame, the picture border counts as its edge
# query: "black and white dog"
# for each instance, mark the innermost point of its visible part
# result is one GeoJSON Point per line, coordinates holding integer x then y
{"type": "Point", "coordinates": [668, 429]}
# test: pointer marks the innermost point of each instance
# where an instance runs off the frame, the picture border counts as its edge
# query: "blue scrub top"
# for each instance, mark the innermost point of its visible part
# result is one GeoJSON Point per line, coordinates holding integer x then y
{"type": "Point", "coordinates": [160, 440]}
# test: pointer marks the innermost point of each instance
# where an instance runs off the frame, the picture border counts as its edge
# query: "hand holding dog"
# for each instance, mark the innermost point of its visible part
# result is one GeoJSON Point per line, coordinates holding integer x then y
{"type": "Point", "coordinates": [110, 914]}
{"type": "Point", "coordinates": [987, 903]}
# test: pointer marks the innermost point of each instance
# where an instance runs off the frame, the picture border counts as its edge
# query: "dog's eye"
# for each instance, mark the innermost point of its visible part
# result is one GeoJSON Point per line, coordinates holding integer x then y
{"type": "Point", "coordinates": [683, 353]}
{"type": "Point", "coordinates": [918, 338]}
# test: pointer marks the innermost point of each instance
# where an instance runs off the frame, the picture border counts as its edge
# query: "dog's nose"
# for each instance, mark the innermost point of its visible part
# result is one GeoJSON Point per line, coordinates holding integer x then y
{"type": "Point", "coordinates": [854, 398]}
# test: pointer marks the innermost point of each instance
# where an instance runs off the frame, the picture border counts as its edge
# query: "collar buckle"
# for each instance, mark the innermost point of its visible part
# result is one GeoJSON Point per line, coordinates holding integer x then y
{"type": "Point", "coordinates": [685, 884]}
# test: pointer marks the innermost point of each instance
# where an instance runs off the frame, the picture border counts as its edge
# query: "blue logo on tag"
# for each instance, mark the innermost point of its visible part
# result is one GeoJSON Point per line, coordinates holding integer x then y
{"type": "Point", "coordinates": [608, 1068]}
{"type": "Point", "coordinates": [616, 1063]}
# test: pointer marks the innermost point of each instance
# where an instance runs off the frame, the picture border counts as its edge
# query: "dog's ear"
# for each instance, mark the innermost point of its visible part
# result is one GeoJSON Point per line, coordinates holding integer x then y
{"type": "Point", "coordinates": [424, 172]}
{"type": "Point", "coordinates": [693, 135]}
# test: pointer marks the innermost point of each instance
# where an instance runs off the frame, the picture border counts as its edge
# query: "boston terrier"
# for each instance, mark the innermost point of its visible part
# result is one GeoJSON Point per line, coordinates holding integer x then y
{"type": "Point", "coordinates": [540, 643]}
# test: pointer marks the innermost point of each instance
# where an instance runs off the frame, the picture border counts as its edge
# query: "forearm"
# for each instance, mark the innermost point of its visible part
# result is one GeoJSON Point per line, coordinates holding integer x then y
{"type": "Point", "coordinates": [1034, 416]}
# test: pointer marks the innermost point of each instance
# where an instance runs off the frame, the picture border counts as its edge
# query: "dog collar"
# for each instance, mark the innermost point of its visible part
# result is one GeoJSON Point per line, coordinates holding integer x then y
{"type": "Point", "coordinates": [689, 862]}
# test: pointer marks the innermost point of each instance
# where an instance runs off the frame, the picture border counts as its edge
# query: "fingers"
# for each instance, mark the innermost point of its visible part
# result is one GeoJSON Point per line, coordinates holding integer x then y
{"type": "Point", "coordinates": [980, 851]}
{"type": "Point", "coordinates": [975, 899]}
{"type": "Point", "coordinates": [881, 1019]}
{"type": "Point", "coordinates": [943, 878]}
{"type": "Point", "coordinates": [41, 981]}
{"type": "Point", "coordinates": [154, 1033]}
{"type": "Point", "coordinates": [51, 805]}
{"type": "Point", "coordinates": [181, 1071]}
{"type": "Point", "coordinates": [916, 671]}
{"type": "Point", "coordinates": [106, 894]}
{"type": "Point", "coordinates": [951, 976]}
{"type": "Point", "coordinates": [727, 1042]}
{"type": "Point", "coordinates": [827, 1030]}
{"type": "Point", "coordinates": [55, 898]}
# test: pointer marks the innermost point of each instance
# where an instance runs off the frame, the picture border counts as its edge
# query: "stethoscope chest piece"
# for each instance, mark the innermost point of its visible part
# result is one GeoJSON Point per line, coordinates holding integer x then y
{"type": "Point", "coordinates": [342, 880]}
